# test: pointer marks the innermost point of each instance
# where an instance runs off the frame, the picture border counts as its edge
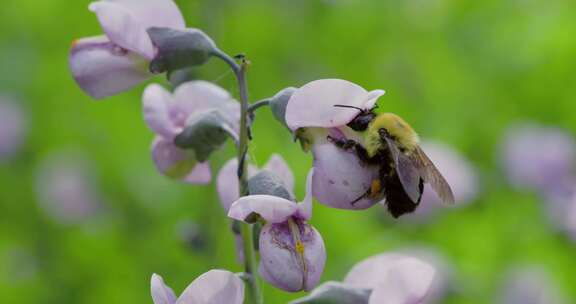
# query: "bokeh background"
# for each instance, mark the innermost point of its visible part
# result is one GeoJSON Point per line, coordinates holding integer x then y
{"type": "Point", "coordinates": [86, 218]}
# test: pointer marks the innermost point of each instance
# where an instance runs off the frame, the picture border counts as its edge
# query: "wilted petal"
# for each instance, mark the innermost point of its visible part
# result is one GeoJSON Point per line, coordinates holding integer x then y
{"type": "Point", "coordinates": [178, 163]}
{"type": "Point", "coordinates": [197, 96]}
{"type": "Point", "coordinates": [277, 165]}
{"type": "Point", "coordinates": [393, 278]}
{"type": "Point", "coordinates": [340, 178]}
{"type": "Point", "coordinates": [214, 287]}
{"type": "Point", "coordinates": [282, 266]}
{"type": "Point", "coordinates": [125, 21]}
{"type": "Point", "coordinates": [103, 69]}
{"type": "Point", "coordinates": [273, 209]}
{"type": "Point", "coordinates": [161, 294]}
{"type": "Point", "coordinates": [312, 105]}
{"type": "Point", "coordinates": [156, 107]}
{"type": "Point", "coordinates": [536, 156]}
{"type": "Point", "coordinates": [13, 125]}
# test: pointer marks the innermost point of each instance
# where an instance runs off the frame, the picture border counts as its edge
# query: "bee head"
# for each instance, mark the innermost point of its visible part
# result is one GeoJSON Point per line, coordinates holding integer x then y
{"type": "Point", "coordinates": [362, 120]}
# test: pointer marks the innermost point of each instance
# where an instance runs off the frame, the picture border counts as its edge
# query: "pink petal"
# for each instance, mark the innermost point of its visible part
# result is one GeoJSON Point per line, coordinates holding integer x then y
{"type": "Point", "coordinates": [340, 178]}
{"type": "Point", "coordinates": [214, 287]}
{"type": "Point", "coordinates": [156, 104]}
{"type": "Point", "coordinates": [201, 174]}
{"type": "Point", "coordinates": [178, 163]}
{"type": "Point", "coordinates": [103, 69]}
{"type": "Point", "coordinates": [369, 272]}
{"type": "Point", "coordinates": [271, 208]}
{"type": "Point", "coordinates": [394, 278]}
{"type": "Point", "coordinates": [408, 282]}
{"type": "Point", "coordinates": [125, 21]}
{"type": "Point", "coordinates": [161, 294]}
{"type": "Point", "coordinates": [196, 96]}
{"type": "Point", "coordinates": [313, 104]}
{"type": "Point", "coordinates": [278, 166]}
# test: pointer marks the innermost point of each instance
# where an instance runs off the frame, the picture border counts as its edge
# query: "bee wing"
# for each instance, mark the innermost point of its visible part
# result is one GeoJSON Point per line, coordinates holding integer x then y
{"type": "Point", "coordinates": [408, 173]}
{"type": "Point", "coordinates": [431, 175]}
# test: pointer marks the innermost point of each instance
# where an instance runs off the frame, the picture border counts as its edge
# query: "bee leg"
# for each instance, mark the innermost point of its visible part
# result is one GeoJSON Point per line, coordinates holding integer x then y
{"type": "Point", "coordinates": [367, 193]}
{"type": "Point", "coordinates": [345, 144]}
{"type": "Point", "coordinates": [372, 192]}
{"type": "Point", "coordinates": [353, 146]}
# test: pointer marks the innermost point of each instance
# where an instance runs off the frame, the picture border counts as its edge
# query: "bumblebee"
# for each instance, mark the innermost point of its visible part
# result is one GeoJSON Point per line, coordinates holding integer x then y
{"type": "Point", "coordinates": [391, 144]}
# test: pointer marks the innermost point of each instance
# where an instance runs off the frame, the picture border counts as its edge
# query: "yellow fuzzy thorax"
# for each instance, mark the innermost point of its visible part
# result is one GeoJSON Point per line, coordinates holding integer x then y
{"type": "Point", "coordinates": [403, 133]}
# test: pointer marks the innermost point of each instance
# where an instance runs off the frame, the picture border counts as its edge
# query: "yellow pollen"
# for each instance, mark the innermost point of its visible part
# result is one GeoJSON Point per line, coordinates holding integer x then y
{"type": "Point", "coordinates": [299, 247]}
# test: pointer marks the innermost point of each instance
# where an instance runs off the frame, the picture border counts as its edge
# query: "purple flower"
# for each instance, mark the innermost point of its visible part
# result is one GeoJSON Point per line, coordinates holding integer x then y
{"type": "Point", "coordinates": [227, 180]}
{"type": "Point", "coordinates": [168, 114]}
{"type": "Point", "coordinates": [292, 253]}
{"type": "Point", "coordinates": [106, 65]}
{"type": "Point", "coordinates": [13, 127]}
{"type": "Point", "coordinates": [212, 287]}
{"type": "Point", "coordinates": [394, 279]}
{"type": "Point", "coordinates": [67, 189]}
{"type": "Point", "coordinates": [538, 157]}
{"type": "Point", "coordinates": [311, 114]}
{"type": "Point", "coordinates": [529, 286]}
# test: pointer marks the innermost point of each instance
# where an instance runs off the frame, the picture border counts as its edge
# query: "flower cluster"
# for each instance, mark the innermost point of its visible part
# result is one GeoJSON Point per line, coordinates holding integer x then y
{"type": "Point", "coordinates": [196, 118]}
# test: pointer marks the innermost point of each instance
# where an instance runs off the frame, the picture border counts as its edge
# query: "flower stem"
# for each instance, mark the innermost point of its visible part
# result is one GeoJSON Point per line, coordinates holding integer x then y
{"type": "Point", "coordinates": [262, 103]}
{"type": "Point", "coordinates": [254, 295]}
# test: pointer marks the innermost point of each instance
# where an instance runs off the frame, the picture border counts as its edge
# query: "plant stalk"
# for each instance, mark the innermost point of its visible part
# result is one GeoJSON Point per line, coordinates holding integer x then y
{"type": "Point", "coordinates": [254, 294]}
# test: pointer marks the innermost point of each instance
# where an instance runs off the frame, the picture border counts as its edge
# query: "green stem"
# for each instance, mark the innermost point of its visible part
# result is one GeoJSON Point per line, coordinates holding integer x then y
{"type": "Point", "coordinates": [262, 103]}
{"type": "Point", "coordinates": [254, 294]}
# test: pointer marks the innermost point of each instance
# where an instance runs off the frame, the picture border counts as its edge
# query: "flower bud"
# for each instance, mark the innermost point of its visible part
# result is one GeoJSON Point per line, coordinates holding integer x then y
{"type": "Point", "coordinates": [292, 255]}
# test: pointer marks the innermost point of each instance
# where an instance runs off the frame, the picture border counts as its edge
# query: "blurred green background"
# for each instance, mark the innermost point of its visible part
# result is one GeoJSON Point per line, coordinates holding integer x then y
{"type": "Point", "coordinates": [458, 71]}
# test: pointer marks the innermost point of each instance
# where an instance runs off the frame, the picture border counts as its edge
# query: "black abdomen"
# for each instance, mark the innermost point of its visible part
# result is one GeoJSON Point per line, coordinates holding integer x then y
{"type": "Point", "coordinates": [397, 200]}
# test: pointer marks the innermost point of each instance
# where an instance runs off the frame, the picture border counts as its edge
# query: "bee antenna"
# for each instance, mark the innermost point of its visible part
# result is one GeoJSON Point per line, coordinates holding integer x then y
{"type": "Point", "coordinates": [350, 107]}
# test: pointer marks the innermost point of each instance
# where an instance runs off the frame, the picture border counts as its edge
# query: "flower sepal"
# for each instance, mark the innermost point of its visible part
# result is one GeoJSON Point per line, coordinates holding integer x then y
{"type": "Point", "coordinates": [205, 132]}
{"type": "Point", "coordinates": [268, 183]}
{"type": "Point", "coordinates": [179, 48]}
